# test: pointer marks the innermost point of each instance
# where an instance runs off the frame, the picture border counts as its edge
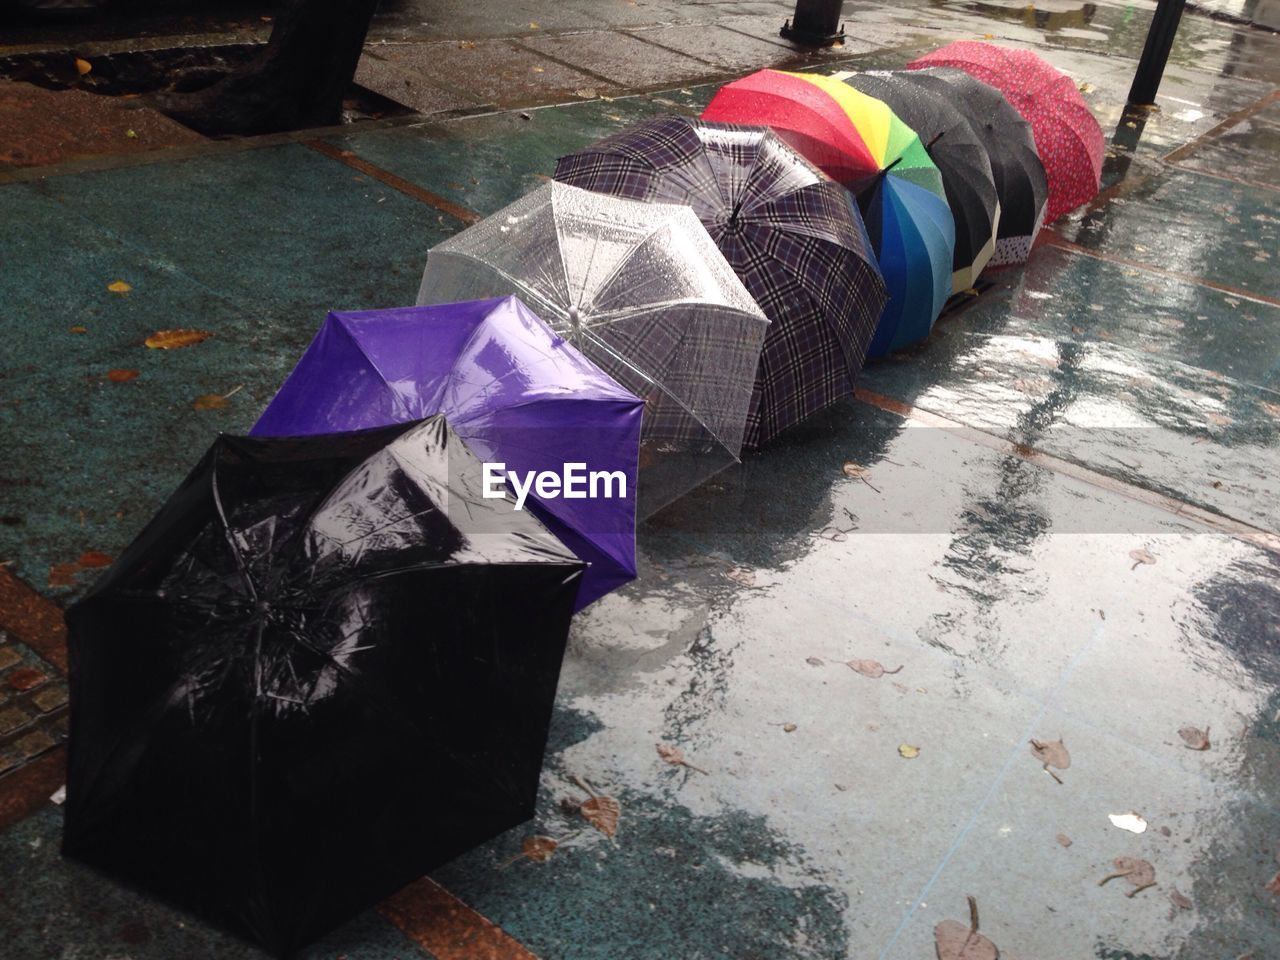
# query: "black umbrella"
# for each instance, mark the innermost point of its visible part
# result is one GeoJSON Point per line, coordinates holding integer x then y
{"type": "Point", "coordinates": [959, 155]}
{"type": "Point", "coordinates": [325, 668]}
{"type": "Point", "coordinates": [1019, 175]}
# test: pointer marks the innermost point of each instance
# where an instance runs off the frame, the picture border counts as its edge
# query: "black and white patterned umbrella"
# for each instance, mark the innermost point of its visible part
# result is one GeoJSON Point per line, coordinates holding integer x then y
{"type": "Point", "coordinates": [960, 156]}
{"type": "Point", "coordinates": [790, 233]}
{"type": "Point", "coordinates": [1019, 175]}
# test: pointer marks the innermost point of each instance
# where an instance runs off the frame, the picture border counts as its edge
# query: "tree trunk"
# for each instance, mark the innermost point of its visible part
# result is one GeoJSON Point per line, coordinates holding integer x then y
{"type": "Point", "coordinates": [298, 81]}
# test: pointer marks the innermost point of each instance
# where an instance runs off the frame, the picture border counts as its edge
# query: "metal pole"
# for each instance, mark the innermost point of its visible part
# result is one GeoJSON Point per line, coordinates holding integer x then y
{"type": "Point", "coordinates": [1155, 54]}
{"type": "Point", "coordinates": [816, 23]}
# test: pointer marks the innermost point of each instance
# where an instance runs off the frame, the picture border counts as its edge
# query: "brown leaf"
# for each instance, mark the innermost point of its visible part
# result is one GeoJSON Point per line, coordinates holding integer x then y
{"type": "Point", "coordinates": [92, 559]}
{"type": "Point", "coordinates": [953, 940]}
{"type": "Point", "coordinates": [119, 286]}
{"type": "Point", "coordinates": [870, 668]}
{"type": "Point", "coordinates": [854, 470]}
{"type": "Point", "coordinates": [1181, 901]}
{"type": "Point", "coordinates": [1274, 885]}
{"type": "Point", "coordinates": [1140, 873]}
{"type": "Point", "coordinates": [63, 574]}
{"type": "Point", "coordinates": [1064, 840]}
{"type": "Point", "coordinates": [78, 328]}
{"type": "Point", "coordinates": [1140, 556]}
{"type": "Point", "coordinates": [210, 401]}
{"type": "Point", "coordinates": [788, 728]}
{"type": "Point", "coordinates": [675, 756]}
{"type": "Point", "coordinates": [538, 849]}
{"type": "Point", "coordinates": [176, 339]}
{"type": "Point", "coordinates": [83, 66]}
{"type": "Point", "coordinates": [119, 375]}
{"type": "Point", "coordinates": [1052, 752]}
{"type": "Point", "coordinates": [1194, 737]}
{"type": "Point", "coordinates": [602, 813]}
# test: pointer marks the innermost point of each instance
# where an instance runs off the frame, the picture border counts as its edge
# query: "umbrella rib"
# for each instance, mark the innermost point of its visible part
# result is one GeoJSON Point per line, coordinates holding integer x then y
{"type": "Point", "coordinates": [241, 566]}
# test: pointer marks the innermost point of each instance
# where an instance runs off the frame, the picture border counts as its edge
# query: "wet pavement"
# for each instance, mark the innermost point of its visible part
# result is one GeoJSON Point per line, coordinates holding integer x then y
{"type": "Point", "coordinates": [1058, 516]}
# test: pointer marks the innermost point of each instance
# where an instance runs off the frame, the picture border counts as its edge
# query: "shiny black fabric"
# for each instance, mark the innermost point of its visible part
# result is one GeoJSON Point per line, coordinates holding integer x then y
{"type": "Point", "coordinates": [325, 668]}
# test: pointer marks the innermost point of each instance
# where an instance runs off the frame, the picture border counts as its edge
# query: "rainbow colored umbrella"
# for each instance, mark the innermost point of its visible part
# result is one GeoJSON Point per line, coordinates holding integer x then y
{"type": "Point", "coordinates": [858, 141]}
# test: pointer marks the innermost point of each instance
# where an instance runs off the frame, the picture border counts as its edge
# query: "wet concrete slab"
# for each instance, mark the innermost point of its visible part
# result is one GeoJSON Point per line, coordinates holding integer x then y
{"type": "Point", "coordinates": [410, 87]}
{"type": "Point", "coordinates": [498, 72]}
{"type": "Point", "coordinates": [621, 59]}
{"type": "Point", "coordinates": [827, 829]}
{"type": "Point", "coordinates": [240, 246]}
{"type": "Point", "coordinates": [1165, 384]}
{"type": "Point", "coordinates": [41, 127]}
{"type": "Point", "coordinates": [1195, 225]}
{"type": "Point", "coordinates": [1242, 151]}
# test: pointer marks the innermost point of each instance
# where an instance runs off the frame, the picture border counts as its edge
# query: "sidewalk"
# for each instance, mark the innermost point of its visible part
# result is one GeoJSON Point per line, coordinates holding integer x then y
{"type": "Point", "coordinates": [1120, 394]}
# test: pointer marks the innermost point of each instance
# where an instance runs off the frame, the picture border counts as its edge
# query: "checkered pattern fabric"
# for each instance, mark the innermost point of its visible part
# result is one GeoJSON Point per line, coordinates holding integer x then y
{"type": "Point", "coordinates": [792, 236]}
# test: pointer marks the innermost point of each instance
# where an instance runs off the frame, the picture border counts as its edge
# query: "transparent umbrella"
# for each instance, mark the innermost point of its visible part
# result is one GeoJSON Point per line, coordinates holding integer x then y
{"type": "Point", "coordinates": [642, 291]}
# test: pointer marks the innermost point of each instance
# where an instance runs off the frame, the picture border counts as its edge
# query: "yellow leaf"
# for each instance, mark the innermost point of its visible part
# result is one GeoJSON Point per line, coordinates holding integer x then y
{"type": "Point", "coordinates": [988, 36]}
{"type": "Point", "coordinates": [78, 329]}
{"type": "Point", "coordinates": [83, 66]}
{"type": "Point", "coordinates": [119, 286]}
{"type": "Point", "coordinates": [907, 751]}
{"type": "Point", "coordinates": [533, 25]}
{"type": "Point", "coordinates": [210, 401]}
{"type": "Point", "coordinates": [175, 339]}
{"type": "Point", "coordinates": [131, 135]}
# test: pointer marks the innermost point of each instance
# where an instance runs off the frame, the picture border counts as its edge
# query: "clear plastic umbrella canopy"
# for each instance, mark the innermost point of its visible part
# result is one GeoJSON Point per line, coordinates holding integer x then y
{"type": "Point", "coordinates": [789, 232]}
{"type": "Point", "coordinates": [642, 291]}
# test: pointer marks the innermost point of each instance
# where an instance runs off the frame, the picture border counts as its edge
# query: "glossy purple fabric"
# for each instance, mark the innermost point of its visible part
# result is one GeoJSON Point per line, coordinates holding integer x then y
{"type": "Point", "coordinates": [511, 388]}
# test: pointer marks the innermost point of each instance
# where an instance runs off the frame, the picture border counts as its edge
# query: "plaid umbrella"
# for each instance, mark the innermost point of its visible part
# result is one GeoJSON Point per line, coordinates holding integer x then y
{"type": "Point", "coordinates": [790, 234]}
{"type": "Point", "coordinates": [642, 292]}
{"type": "Point", "coordinates": [1068, 138]}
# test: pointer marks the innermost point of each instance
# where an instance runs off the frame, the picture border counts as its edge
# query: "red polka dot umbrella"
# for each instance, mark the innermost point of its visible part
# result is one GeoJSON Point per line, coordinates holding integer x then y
{"type": "Point", "coordinates": [1068, 138]}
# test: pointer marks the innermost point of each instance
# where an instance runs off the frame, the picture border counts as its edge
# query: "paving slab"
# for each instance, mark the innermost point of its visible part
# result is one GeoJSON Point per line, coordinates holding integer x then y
{"type": "Point", "coordinates": [1242, 151]}
{"type": "Point", "coordinates": [621, 58]}
{"type": "Point", "coordinates": [1195, 225]}
{"type": "Point", "coordinates": [1165, 384]}
{"type": "Point", "coordinates": [240, 246]}
{"type": "Point", "coordinates": [40, 127]}
{"type": "Point", "coordinates": [499, 72]}
{"type": "Point", "coordinates": [410, 87]}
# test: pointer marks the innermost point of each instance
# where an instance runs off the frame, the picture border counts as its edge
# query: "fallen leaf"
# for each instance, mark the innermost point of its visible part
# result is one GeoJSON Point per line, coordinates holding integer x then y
{"type": "Point", "coordinates": [210, 401]}
{"type": "Point", "coordinates": [788, 728]}
{"type": "Point", "coordinates": [78, 329]}
{"type": "Point", "coordinates": [1140, 556]}
{"type": "Point", "coordinates": [1181, 901]}
{"type": "Point", "coordinates": [25, 678]}
{"type": "Point", "coordinates": [870, 668]}
{"type": "Point", "coordinates": [131, 135]}
{"type": "Point", "coordinates": [1274, 885]}
{"type": "Point", "coordinates": [119, 286]}
{"type": "Point", "coordinates": [907, 751]}
{"type": "Point", "coordinates": [63, 574]}
{"type": "Point", "coordinates": [1064, 840]}
{"type": "Point", "coordinates": [675, 756]}
{"type": "Point", "coordinates": [586, 93]}
{"type": "Point", "coordinates": [1128, 821]}
{"type": "Point", "coordinates": [953, 940]}
{"type": "Point", "coordinates": [122, 376]}
{"type": "Point", "coordinates": [602, 813]}
{"type": "Point", "coordinates": [467, 44]}
{"type": "Point", "coordinates": [92, 559]}
{"type": "Point", "coordinates": [83, 66]}
{"type": "Point", "coordinates": [536, 848]}
{"type": "Point", "coordinates": [813, 661]}
{"type": "Point", "coordinates": [855, 470]}
{"type": "Point", "coordinates": [1051, 753]}
{"type": "Point", "coordinates": [1194, 737]}
{"type": "Point", "coordinates": [1140, 873]}
{"type": "Point", "coordinates": [176, 339]}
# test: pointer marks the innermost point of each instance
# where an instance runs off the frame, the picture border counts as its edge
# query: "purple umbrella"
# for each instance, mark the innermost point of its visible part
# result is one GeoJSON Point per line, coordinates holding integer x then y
{"type": "Point", "coordinates": [517, 393]}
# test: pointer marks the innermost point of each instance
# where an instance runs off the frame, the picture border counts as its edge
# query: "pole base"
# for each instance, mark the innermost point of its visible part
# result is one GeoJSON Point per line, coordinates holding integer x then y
{"type": "Point", "coordinates": [807, 38]}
